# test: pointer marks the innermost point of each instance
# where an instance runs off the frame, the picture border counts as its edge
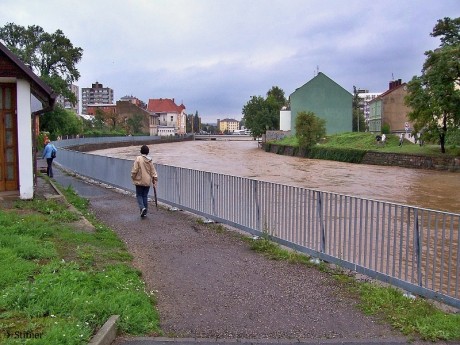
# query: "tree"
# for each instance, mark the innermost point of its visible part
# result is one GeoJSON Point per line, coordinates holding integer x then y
{"type": "Point", "coordinates": [51, 56]}
{"type": "Point", "coordinates": [261, 114]}
{"type": "Point", "coordinates": [113, 118]}
{"type": "Point", "coordinates": [61, 122]}
{"type": "Point", "coordinates": [435, 95]}
{"type": "Point", "coordinates": [189, 123]}
{"type": "Point", "coordinates": [359, 123]}
{"type": "Point", "coordinates": [278, 94]}
{"type": "Point", "coordinates": [309, 129]}
{"type": "Point", "coordinates": [196, 123]}
{"type": "Point", "coordinates": [99, 119]}
{"type": "Point", "coordinates": [134, 123]}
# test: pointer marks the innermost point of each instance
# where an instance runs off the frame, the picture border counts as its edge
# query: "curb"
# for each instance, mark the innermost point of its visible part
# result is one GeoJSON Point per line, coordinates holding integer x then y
{"type": "Point", "coordinates": [59, 194]}
{"type": "Point", "coordinates": [62, 197]}
{"type": "Point", "coordinates": [108, 332]}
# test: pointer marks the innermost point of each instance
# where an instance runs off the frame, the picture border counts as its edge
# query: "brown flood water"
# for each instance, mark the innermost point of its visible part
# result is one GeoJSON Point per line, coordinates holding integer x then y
{"type": "Point", "coordinates": [437, 190]}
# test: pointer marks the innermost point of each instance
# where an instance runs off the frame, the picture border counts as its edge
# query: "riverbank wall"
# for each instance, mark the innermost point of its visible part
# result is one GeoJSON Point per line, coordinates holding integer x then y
{"type": "Point", "coordinates": [447, 163]}
{"type": "Point", "coordinates": [86, 147]}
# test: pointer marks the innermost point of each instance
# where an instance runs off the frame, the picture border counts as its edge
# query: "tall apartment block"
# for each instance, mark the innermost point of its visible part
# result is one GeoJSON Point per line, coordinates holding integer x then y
{"type": "Point", "coordinates": [97, 94]}
{"type": "Point", "coordinates": [65, 103]}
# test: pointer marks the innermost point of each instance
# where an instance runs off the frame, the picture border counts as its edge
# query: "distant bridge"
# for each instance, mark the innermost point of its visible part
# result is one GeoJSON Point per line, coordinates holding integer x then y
{"type": "Point", "coordinates": [224, 137]}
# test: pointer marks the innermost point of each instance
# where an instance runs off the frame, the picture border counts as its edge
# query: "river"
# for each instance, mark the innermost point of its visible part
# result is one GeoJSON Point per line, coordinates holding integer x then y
{"type": "Point", "coordinates": [438, 190]}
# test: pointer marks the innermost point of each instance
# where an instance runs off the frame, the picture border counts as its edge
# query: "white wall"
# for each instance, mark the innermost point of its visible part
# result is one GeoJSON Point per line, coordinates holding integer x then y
{"type": "Point", "coordinates": [285, 120]}
{"type": "Point", "coordinates": [25, 156]}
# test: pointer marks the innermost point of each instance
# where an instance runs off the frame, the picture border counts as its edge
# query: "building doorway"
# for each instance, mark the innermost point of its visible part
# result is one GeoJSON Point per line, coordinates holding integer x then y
{"type": "Point", "coordinates": [9, 176]}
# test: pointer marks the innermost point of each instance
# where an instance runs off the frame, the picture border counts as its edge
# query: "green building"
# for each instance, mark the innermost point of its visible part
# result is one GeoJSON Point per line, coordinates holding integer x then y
{"type": "Point", "coordinates": [328, 100]}
{"type": "Point", "coordinates": [375, 115]}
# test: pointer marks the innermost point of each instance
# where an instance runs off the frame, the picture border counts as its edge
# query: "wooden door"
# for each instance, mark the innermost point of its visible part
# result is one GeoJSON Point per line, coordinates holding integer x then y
{"type": "Point", "coordinates": [9, 177]}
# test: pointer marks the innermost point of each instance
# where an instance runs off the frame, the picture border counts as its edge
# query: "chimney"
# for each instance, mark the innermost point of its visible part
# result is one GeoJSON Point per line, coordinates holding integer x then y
{"type": "Point", "coordinates": [395, 83]}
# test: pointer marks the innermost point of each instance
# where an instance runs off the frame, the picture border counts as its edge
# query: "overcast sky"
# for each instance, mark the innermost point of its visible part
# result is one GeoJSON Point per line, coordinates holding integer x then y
{"type": "Point", "coordinates": [213, 55]}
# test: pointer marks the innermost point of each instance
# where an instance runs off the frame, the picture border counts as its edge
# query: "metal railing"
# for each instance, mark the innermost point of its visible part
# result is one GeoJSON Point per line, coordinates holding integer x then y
{"type": "Point", "coordinates": [413, 248]}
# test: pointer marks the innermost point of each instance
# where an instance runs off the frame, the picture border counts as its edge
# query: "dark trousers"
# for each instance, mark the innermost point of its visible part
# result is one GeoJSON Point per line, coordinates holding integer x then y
{"type": "Point", "coordinates": [142, 193]}
{"type": "Point", "coordinates": [49, 167]}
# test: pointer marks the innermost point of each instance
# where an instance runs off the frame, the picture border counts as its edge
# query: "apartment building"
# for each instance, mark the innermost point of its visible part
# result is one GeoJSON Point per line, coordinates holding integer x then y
{"type": "Point", "coordinates": [96, 94]}
{"type": "Point", "coordinates": [66, 104]}
{"type": "Point", "coordinates": [228, 125]}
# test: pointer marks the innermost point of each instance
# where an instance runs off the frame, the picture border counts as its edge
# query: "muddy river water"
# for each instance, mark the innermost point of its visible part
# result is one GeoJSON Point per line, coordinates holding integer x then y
{"type": "Point", "coordinates": [438, 190]}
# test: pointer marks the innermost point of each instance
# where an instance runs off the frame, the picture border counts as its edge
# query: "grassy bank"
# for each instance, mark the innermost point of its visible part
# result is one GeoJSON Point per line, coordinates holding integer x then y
{"type": "Point", "coordinates": [366, 142]}
{"type": "Point", "coordinates": [61, 281]}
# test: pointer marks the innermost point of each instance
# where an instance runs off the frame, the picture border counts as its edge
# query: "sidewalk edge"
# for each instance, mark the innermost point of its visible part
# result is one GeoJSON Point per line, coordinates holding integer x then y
{"type": "Point", "coordinates": [108, 332]}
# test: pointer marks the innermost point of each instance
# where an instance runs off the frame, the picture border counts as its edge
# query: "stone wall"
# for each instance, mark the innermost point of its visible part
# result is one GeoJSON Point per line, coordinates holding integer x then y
{"type": "Point", "coordinates": [275, 135]}
{"type": "Point", "coordinates": [388, 159]}
{"type": "Point", "coordinates": [413, 161]}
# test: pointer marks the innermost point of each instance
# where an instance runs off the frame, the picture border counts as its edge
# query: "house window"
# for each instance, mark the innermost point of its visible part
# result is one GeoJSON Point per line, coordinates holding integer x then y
{"type": "Point", "coordinates": [172, 118]}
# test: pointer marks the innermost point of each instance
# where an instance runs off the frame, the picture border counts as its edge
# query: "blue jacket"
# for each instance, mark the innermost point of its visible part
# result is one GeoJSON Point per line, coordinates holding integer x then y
{"type": "Point", "coordinates": [47, 150]}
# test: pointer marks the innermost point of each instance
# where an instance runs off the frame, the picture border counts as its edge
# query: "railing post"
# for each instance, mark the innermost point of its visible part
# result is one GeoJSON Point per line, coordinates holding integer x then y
{"type": "Point", "coordinates": [418, 248]}
{"type": "Point", "coordinates": [213, 201]}
{"type": "Point", "coordinates": [256, 199]}
{"type": "Point", "coordinates": [321, 223]}
{"type": "Point", "coordinates": [177, 187]}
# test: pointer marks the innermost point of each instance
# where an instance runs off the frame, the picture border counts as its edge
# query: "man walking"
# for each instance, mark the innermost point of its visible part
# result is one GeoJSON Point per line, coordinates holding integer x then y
{"type": "Point", "coordinates": [143, 174]}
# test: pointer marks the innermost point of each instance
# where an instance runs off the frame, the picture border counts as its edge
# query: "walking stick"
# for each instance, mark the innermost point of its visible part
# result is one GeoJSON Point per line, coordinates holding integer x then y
{"type": "Point", "coordinates": [155, 195]}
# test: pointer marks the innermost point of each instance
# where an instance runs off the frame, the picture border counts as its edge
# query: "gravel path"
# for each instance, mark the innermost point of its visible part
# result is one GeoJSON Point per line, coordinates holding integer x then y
{"type": "Point", "coordinates": [210, 284]}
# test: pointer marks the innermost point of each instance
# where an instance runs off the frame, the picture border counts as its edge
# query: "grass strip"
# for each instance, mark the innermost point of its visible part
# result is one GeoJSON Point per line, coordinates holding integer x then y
{"type": "Point", "coordinates": [61, 283]}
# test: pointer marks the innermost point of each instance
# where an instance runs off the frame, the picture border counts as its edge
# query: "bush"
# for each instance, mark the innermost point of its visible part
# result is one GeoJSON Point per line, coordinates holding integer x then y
{"type": "Point", "coordinates": [386, 128]}
{"type": "Point", "coordinates": [453, 138]}
{"type": "Point", "coordinates": [309, 129]}
{"type": "Point", "coordinates": [41, 140]}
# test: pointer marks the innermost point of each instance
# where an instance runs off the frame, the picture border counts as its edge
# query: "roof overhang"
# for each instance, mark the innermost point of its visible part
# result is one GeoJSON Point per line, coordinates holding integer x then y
{"type": "Point", "coordinates": [38, 87]}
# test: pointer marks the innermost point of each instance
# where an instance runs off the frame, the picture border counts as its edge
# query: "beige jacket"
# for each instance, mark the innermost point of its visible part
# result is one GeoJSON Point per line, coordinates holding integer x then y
{"type": "Point", "coordinates": [143, 172]}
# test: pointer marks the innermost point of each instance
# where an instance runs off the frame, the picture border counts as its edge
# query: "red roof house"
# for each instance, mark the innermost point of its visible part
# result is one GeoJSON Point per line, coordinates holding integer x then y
{"type": "Point", "coordinates": [170, 114]}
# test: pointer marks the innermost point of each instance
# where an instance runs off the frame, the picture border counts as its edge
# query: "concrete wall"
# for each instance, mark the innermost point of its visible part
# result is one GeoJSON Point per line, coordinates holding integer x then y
{"type": "Point", "coordinates": [90, 145]}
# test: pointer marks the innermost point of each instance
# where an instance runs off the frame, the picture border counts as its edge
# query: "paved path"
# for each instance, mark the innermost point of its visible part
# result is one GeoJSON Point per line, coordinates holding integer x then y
{"type": "Point", "coordinates": [209, 284]}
